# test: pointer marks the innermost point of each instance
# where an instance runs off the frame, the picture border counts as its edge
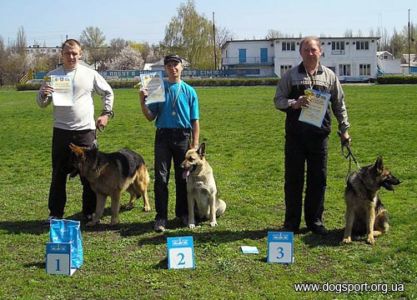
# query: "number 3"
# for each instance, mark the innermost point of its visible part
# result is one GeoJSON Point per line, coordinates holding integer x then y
{"type": "Point", "coordinates": [281, 253]}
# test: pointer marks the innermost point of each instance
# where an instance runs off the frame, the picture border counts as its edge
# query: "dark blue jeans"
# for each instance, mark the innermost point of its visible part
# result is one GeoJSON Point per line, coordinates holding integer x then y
{"type": "Point", "coordinates": [301, 150]}
{"type": "Point", "coordinates": [62, 166]}
{"type": "Point", "coordinates": [170, 144]}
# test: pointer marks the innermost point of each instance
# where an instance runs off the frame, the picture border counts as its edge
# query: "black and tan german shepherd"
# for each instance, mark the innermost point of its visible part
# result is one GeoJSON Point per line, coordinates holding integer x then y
{"type": "Point", "coordinates": [364, 210]}
{"type": "Point", "coordinates": [109, 174]}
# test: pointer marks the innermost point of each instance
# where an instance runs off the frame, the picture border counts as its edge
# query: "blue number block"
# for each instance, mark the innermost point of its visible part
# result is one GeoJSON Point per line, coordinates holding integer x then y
{"type": "Point", "coordinates": [58, 259]}
{"type": "Point", "coordinates": [180, 252]}
{"type": "Point", "coordinates": [280, 247]}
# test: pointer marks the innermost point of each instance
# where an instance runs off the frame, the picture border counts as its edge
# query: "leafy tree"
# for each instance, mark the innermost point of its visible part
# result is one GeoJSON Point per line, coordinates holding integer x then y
{"type": "Point", "coordinates": [190, 35]}
{"type": "Point", "coordinates": [94, 44]}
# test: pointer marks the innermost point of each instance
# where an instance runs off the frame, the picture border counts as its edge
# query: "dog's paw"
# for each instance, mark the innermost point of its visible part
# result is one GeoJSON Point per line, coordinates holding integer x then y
{"type": "Point", "coordinates": [191, 226]}
{"type": "Point", "coordinates": [147, 208]}
{"type": "Point", "coordinates": [370, 240]}
{"type": "Point", "coordinates": [114, 222]}
{"type": "Point", "coordinates": [129, 206]}
{"type": "Point", "coordinates": [347, 240]}
{"type": "Point", "coordinates": [213, 224]}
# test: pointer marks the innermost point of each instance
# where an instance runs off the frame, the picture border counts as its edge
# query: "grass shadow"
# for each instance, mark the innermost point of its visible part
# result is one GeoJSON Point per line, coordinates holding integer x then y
{"type": "Point", "coordinates": [332, 239]}
{"type": "Point", "coordinates": [36, 227]}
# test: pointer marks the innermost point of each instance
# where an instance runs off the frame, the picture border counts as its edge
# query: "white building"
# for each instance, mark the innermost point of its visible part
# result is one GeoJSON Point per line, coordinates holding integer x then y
{"type": "Point", "coordinates": [36, 49]}
{"type": "Point", "coordinates": [387, 64]}
{"type": "Point", "coordinates": [351, 58]}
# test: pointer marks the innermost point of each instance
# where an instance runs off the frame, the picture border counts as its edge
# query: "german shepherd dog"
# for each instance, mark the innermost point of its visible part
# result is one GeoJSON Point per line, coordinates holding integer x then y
{"type": "Point", "coordinates": [202, 198]}
{"type": "Point", "coordinates": [109, 174]}
{"type": "Point", "coordinates": [365, 212]}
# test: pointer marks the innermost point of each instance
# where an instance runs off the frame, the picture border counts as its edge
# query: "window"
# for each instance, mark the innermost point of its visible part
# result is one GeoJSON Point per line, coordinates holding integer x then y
{"type": "Point", "coordinates": [365, 70]}
{"type": "Point", "coordinates": [344, 70]}
{"type": "Point", "coordinates": [284, 68]}
{"type": "Point", "coordinates": [338, 45]}
{"type": "Point", "coordinates": [288, 46]}
{"type": "Point", "coordinates": [362, 45]}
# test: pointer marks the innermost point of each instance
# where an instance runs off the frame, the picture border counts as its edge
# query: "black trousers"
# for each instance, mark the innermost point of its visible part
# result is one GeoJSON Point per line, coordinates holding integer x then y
{"type": "Point", "coordinates": [62, 166]}
{"type": "Point", "coordinates": [302, 150]}
{"type": "Point", "coordinates": [170, 144]}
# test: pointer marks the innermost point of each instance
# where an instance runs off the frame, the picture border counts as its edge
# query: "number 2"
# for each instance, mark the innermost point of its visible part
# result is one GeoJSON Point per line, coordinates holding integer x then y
{"type": "Point", "coordinates": [182, 260]}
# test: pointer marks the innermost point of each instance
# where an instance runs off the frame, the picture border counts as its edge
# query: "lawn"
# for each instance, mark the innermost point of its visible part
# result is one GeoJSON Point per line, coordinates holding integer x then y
{"type": "Point", "coordinates": [244, 142]}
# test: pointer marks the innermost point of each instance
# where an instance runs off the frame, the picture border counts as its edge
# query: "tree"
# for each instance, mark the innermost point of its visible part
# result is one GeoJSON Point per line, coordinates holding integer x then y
{"type": "Point", "coordinates": [94, 44]}
{"type": "Point", "coordinates": [274, 34]}
{"type": "Point", "coordinates": [3, 56]}
{"type": "Point", "coordinates": [190, 36]}
{"type": "Point", "coordinates": [128, 59]}
{"type": "Point", "coordinates": [20, 46]}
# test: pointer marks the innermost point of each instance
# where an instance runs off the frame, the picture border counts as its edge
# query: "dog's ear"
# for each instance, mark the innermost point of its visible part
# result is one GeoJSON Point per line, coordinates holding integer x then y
{"type": "Point", "coordinates": [78, 151]}
{"type": "Point", "coordinates": [379, 165]}
{"type": "Point", "coordinates": [202, 150]}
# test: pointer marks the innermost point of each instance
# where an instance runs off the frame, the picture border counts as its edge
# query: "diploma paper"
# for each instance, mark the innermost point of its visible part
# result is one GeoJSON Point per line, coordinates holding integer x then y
{"type": "Point", "coordinates": [62, 95]}
{"type": "Point", "coordinates": [314, 113]}
{"type": "Point", "coordinates": [154, 84]}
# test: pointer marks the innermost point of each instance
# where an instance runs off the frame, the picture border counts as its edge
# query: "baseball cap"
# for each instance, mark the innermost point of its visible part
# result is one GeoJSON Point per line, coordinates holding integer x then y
{"type": "Point", "coordinates": [172, 57]}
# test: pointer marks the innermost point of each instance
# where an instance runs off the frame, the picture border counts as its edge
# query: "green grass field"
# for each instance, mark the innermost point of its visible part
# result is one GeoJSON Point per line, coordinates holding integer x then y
{"type": "Point", "coordinates": [244, 142]}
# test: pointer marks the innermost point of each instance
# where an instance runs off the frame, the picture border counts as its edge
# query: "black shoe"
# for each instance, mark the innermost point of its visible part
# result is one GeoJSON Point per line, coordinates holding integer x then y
{"type": "Point", "coordinates": [87, 218]}
{"type": "Point", "coordinates": [319, 229]}
{"type": "Point", "coordinates": [290, 228]}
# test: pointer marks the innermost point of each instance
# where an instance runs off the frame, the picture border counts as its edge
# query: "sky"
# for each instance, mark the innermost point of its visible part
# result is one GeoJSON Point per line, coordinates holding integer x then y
{"type": "Point", "coordinates": [49, 22]}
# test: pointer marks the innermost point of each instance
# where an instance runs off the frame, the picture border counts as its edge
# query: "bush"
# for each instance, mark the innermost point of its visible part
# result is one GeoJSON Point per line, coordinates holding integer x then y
{"type": "Point", "coordinates": [119, 84]}
{"type": "Point", "coordinates": [397, 79]}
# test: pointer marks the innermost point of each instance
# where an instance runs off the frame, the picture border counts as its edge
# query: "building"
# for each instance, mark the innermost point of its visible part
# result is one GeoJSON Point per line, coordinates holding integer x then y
{"type": "Point", "coordinates": [351, 58]}
{"type": "Point", "coordinates": [36, 49]}
{"type": "Point", "coordinates": [388, 64]}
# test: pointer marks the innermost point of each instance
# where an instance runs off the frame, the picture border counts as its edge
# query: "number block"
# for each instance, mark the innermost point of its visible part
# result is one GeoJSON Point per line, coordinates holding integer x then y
{"type": "Point", "coordinates": [58, 259]}
{"type": "Point", "coordinates": [280, 247]}
{"type": "Point", "coordinates": [180, 252]}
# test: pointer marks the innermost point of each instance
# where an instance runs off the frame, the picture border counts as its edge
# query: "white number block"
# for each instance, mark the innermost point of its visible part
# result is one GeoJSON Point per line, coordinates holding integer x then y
{"type": "Point", "coordinates": [180, 252]}
{"type": "Point", "coordinates": [58, 259]}
{"type": "Point", "coordinates": [280, 247]}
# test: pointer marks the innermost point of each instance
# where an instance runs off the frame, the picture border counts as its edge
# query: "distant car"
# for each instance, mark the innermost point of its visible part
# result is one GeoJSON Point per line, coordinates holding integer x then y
{"type": "Point", "coordinates": [34, 81]}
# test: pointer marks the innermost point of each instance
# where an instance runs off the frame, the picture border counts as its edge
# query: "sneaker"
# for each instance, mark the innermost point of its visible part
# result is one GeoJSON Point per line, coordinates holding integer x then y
{"type": "Point", "coordinates": [160, 225]}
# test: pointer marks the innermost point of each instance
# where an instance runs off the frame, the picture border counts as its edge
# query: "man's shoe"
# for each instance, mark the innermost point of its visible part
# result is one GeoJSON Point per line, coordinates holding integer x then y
{"type": "Point", "coordinates": [289, 228]}
{"type": "Point", "coordinates": [160, 225]}
{"type": "Point", "coordinates": [320, 230]}
{"type": "Point", "coordinates": [48, 221]}
{"type": "Point", "coordinates": [87, 218]}
{"type": "Point", "coordinates": [184, 220]}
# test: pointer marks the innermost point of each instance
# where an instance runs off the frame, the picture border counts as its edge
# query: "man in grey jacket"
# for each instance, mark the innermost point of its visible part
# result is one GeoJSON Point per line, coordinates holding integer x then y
{"type": "Point", "coordinates": [73, 122]}
{"type": "Point", "coordinates": [306, 144]}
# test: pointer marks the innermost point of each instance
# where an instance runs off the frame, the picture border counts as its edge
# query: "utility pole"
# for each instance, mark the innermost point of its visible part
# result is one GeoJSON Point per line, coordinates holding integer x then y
{"type": "Point", "coordinates": [214, 44]}
{"type": "Point", "coordinates": [409, 48]}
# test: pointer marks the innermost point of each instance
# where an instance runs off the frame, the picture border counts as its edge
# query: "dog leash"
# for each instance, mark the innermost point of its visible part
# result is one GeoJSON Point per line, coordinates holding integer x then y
{"type": "Point", "coordinates": [348, 154]}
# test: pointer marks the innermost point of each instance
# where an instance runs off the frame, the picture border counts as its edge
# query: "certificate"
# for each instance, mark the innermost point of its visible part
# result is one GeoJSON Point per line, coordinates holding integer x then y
{"type": "Point", "coordinates": [314, 113]}
{"type": "Point", "coordinates": [155, 85]}
{"type": "Point", "coordinates": [63, 90]}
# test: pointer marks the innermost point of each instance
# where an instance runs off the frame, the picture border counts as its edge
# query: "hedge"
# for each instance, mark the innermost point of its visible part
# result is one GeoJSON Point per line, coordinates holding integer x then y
{"type": "Point", "coordinates": [388, 79]}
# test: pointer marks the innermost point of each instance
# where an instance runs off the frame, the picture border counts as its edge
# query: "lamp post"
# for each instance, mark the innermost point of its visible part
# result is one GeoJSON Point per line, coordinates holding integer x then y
{"type": "Point", "coordinates": [409, 47]}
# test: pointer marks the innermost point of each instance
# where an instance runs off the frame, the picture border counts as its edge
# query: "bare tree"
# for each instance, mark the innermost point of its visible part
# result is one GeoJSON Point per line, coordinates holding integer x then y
{"type": "Point", "coordinates": [274, 34]}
